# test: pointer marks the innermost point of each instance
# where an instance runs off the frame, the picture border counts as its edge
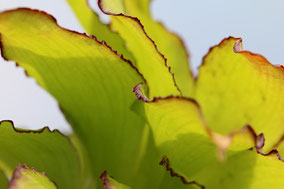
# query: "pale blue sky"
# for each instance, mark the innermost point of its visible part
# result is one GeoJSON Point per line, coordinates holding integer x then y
{"type": "Point", "coordinates": [201, 23]}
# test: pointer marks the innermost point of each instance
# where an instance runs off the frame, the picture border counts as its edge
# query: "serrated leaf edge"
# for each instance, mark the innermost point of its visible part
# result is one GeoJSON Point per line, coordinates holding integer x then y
{"type": "Point", "coordinates": [144, 31]}
{"type": "Point", "coordinates": [102, 43]}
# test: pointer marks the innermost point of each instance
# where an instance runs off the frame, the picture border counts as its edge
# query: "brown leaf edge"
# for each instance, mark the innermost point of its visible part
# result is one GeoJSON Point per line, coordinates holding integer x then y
{"type": "Point", "coordinates": [178, 37]}
{"type": "Point", "coordinates": [259, 143]}
{"type": "Point", "coordinates": [238, 48]}
{"type": "Point", "coordinates": [87, 2]}
{"type": "Point", "coordinates": [39, 131]}
{"type": "Point", "coordinates": [105, 180]}
{"type": "Point", "coordinates": [46, 129]}
{"type": "Point", "coordinates": [184, 46]}
{"type": "Point", "coordinates": [259, 140]}
{"type": "Point", "coordinates": [53, 19]}
{"type": "Point", "coordinates": [175, 35]}
{"type": "Point", "coordinates": [17, 174]}
{"type": "Point", "coordinates": [144, 31]}
{"type": "Point", "coordinates": [97, 15]}
{"type": "Point", "coordinates": [166, 163]}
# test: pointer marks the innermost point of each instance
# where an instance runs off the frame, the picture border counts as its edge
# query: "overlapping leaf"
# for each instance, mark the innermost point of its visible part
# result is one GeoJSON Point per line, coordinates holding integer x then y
{"type": "Point", "coordinates": [83, 75]}
{"type": "Point", "coordinates": [25, 178]}
{"type": "Point", "coordinates": [93, 26]}
{"type": "Point", "coordinates": [93, 87]}
{"type": "Point", "coordinates": [167, 43]}
{"type": "Point", "coordinates": [239, 88]}
{"type": "Point", "coordinates": [150, 62]}
{"type": "Point", "coordinates": [235, 88]}
{"type": "Point", "coordinates": [176, 121]}
{"type": "Point", "coordinates": [49, 152]}
{"type": "Point", "coordinates": [191, 149]}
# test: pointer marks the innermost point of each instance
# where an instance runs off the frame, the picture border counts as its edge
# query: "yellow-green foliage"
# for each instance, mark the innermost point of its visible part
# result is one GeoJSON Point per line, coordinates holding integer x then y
{"type": "Point", "coordinates": [136, 110]}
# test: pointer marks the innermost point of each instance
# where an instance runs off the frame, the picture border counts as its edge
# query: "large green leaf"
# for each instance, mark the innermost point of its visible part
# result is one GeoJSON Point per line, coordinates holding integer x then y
{"type": "Point", "coordinates": [93, 26]}
{"type": "Point", "coordinates": [27, 178]}
{"type": "Point", "coordinates": [173, 47]}
{"type": "Point", "coordinates": [48, 151]}
{"type": "Point", "coordinates": [150, 62]}
{"type": "Point", "coordinates": [180, 134]}
{"type": "Point", "coordinates": [192, 149]}
{"type": "Point", "coordinates": [92, 85]}
{"type": "Point", "coordinates": [237, 87]}
{"type": "Point", "coordinates": [168, 43]}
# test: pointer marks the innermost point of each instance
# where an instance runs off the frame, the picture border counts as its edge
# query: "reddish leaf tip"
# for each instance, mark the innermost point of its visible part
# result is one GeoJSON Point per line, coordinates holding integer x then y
{"type": "Point", "coordinates": [139, 94]}
{"type": "Point", "coordinates": [105, 180]}
{"type": "Point", "coordinates": [17, 174]}
{"type": "Point", "coordinates": [238, 47]}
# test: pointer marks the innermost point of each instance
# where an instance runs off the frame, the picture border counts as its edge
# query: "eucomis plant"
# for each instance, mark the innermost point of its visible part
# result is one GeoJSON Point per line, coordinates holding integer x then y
{"type": "Point", "coordinates": [141, 120]}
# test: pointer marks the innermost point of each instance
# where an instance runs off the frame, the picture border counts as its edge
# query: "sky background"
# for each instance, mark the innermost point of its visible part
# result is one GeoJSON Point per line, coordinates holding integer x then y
{"type": "Point", "coordinates": [201, 24]}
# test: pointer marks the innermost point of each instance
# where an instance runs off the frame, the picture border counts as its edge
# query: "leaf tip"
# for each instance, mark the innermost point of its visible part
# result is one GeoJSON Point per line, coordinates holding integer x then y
{"type": "Point", "coordinates": [103, 177]}
{"type": "Point", "coordinates": [18, 173]}
{"type": "Point", "coordinates": [238, 46]}
{"type": "Point", "coordinates": [139, 94]}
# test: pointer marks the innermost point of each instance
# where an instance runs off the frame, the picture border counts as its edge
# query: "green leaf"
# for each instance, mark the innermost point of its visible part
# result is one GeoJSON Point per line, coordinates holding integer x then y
{"type": "Point", "coordinates": [93, 26]}
{"type": "Point", "coordinates": [180, 134]}
{"type": "Point", "coordinates": [48, 151]}
{"type": "Point", "coordinates": [176, 180]}
{"type": "Point", "coordinates": [110, 183]}
{"type": "Point", "coordinates": [245, 169]}
{"type": "Point", "coordinates": [236, 88]}
{"type": "Point", "coordinates": [3, 180]}
{"type": "Point", "coordinates": [170, 44]}
{"type": "Point", "coordinates": [26, 178]}
{"type": "Point", "coordinates": [148, 58]}
{"type": "Point", "coordinates": [93, 87]}
{"type": "Point", "coordinates": [91, 83]}
{"type": "Point", "coordinates": [202, 157]}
